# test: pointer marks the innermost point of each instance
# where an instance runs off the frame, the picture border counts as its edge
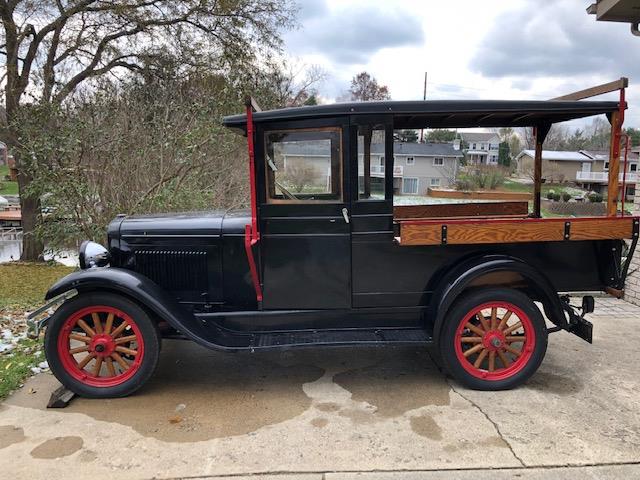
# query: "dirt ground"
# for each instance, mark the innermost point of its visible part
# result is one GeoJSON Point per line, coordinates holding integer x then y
{"type": "Point", "coordinates": [342, 413]}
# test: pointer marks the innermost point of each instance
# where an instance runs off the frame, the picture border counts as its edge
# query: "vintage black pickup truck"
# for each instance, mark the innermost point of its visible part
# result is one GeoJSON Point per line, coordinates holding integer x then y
{"type": "Point", "coordinates": [324, 258]}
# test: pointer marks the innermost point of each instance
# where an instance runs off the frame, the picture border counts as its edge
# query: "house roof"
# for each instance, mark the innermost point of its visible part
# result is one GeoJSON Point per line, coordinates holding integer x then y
{"type": "Point", "coordinates": [441, 113]}
{"type": "Point", "coordinates": [477, 136]}
{"type": "Point", "coordinates": [580, 156]}
{"type": "Point", "coordinates": [559, 156]}
{"type": "Point", "coordinates": [319, 148]}
{"type": "Point", "coordinates": [420, 149]}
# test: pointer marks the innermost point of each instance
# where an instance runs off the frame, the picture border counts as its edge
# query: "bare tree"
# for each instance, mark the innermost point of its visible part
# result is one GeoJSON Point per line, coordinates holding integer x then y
{"type": "Point", "coordinates": [300, 175]}
{"type": "Point", "coordinates": [365, 88]}
{"type": "Point", "coordinates": [52, 48]}
{"type": "Point", "coordinates": [292, 85]}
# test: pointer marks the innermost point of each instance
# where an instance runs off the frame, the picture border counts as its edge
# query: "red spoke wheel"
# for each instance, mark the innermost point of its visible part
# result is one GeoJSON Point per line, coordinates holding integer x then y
{"type": "Point", "coordinates": [101, 345]}
{"type": "Point", "coordinates": [493, 339]}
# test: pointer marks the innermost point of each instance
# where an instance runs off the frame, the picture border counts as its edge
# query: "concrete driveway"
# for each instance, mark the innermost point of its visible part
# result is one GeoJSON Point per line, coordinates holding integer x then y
{"type": "Point", "coordinates": [343, 413]}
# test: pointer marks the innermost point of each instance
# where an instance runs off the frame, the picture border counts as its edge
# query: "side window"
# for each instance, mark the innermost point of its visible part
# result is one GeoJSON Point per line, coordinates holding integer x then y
{"type": "Point", "coordinates": [371, 172]}
{"type": "Point", "coordinates": [303, 165]}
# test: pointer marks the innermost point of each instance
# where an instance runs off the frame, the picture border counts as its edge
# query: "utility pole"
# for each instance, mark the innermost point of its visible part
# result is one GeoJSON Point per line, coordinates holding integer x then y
{"type": "Point", "coordinates": [424, 97]}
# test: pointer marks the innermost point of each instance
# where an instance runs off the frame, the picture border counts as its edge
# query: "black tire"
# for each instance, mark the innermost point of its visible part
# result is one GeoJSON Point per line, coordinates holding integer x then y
{"type": "Point", "coordinates": [145, 326]}
{"type": "Point", "coordinates": [530, 357]}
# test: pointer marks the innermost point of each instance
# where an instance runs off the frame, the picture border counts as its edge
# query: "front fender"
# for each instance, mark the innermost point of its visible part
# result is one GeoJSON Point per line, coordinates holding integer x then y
{"type": "Point", "coordinates": [460, 277]}
{"type": "Point", "coordinates": [140, 289]}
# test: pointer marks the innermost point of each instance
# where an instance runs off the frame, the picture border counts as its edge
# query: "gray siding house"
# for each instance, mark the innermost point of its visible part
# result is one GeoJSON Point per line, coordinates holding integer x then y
{"type": "Point", "coordinates": [417, 166]}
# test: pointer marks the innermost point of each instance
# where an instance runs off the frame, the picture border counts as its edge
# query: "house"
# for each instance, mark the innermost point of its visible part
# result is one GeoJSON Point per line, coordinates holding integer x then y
{"type": "Point", "coordinates": [417, 166]}
{"type": "Point", "coordinates": [481, 148]}
{"type": "Point", "coordinates": [588, 169]}
{"type": "Point", "coordinates": [617, 11]}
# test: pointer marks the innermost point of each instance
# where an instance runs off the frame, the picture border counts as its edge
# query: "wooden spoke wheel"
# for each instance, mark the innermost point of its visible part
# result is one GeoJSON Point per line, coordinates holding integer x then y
{"type": "Point", "coordinates": [102, 345]}
{"type": "Point", "coordinates": [493, 339]}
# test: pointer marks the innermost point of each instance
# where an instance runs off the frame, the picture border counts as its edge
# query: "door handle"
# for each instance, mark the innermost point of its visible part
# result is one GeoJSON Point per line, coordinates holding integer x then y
{"type": "Point", "coordinates": [345, 214]}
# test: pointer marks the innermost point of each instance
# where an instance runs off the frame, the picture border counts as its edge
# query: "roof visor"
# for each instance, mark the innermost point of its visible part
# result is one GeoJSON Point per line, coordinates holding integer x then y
{"type": "Point", "coordinates": [442, 113]}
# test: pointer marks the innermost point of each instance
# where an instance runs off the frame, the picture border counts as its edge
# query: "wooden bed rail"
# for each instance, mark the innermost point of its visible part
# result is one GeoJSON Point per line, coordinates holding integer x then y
{"type": "Point", "coordinates": [477, 209]}
{"type": "Point", "coordinates": [506, 230]}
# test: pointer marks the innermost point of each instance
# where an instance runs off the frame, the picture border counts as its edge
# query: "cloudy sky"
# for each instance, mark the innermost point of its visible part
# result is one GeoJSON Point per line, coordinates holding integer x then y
{"type": "Point", "coordinates": [493, 49]}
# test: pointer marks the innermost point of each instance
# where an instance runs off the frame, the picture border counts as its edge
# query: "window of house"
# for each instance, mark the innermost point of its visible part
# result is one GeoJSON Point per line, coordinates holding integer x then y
{"type": "Point", "coordinates": [410, 186]}
{"type": "Point", "coordinates": [633, 167]}
{"type": "Point", "coordinates": [438, 161]}
{"type": "Point", "coordinates": [371, 171]}
{"type": "Point", "coordinates": [411, 161]}
{"type": "Point", "coordinates": [303, 165]}
{"type": "Point", "coordinates": [606, 165]}
{"type": "Point", "coordinates": [473, 146]}
{"type": "Point", "coordinates": [435, 182]}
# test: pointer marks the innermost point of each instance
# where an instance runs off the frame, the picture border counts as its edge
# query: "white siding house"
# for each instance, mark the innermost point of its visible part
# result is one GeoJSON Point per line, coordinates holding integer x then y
{"type": "Point", "coordinates": [481, 148]}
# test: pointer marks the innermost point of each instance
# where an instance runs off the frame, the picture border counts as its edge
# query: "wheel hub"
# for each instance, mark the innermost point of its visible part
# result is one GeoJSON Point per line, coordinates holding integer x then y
{"type": "Point", "coordinates": [102, 345]}
{"type": "Point", "coordinates": [493, 340]}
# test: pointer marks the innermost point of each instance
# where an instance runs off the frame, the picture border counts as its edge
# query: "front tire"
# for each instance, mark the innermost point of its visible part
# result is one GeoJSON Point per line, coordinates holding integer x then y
{"type": "Point", "coordinates": [493, 339]}
{"type": "Point", "coordinates": [101, 345]}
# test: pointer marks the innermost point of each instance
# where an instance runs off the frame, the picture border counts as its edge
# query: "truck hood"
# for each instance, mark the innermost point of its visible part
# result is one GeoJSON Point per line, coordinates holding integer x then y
{"type": "Point", "coordinates": [201, 224]}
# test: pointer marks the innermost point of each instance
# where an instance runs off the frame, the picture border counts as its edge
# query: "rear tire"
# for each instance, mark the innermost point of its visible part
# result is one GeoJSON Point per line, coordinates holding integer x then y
{"type": "Point", "coordinates": [101, 345]}
{"type": "Point", "coordinates": [493, 339]}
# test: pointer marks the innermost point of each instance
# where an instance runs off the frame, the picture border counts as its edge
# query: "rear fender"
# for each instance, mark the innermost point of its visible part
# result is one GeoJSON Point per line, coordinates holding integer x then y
{"type": "Point", "coordinates": [462, 277]}
{"type": "Point", "coordinates": [140, 289]}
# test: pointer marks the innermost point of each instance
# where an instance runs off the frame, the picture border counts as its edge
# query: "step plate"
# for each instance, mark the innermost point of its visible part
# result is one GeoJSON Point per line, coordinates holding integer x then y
{"type": "Point", "coordinates": [340, 337]}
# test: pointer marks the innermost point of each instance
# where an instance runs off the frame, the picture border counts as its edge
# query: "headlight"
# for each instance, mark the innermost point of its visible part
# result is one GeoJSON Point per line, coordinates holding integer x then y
{"type": "Point", "coordinates": [93, 255]}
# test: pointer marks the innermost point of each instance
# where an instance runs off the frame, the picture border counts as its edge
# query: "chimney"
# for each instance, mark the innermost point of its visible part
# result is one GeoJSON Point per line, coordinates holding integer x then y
{"type": "Point", "coordinates": [456, 144]}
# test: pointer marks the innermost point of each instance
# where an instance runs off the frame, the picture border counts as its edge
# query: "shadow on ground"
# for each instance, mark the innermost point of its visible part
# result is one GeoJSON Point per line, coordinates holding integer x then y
{"type": "Point", "coordinates": [197, 394]}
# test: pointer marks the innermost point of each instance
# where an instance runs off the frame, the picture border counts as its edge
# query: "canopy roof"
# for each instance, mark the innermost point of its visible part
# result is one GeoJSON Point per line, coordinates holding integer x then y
{"type": "Point", "coordinates": [442, 113]}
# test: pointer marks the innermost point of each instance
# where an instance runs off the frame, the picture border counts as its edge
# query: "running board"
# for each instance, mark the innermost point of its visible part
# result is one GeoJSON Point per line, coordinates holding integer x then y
{"type": "Point", "coordinates": [233, 340]}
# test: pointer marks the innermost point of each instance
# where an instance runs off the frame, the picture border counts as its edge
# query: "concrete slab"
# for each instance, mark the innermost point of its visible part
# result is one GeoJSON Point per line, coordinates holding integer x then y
{"type": "Point", "coordinates": [343, 410]}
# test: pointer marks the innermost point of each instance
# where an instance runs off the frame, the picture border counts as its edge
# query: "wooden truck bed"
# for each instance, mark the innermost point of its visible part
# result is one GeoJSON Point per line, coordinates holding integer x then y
{"type": "Point", "coordinates": [465, 231]}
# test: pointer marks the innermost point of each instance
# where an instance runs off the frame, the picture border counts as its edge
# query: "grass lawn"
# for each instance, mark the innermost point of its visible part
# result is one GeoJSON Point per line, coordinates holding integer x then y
{"type": "Point", "coordinates": [22, 288]}
{"type": "Point", "coordinates": [23, 285]}
{"type": "Point", "coordinates": [6, 187]}
{"type": "Point", "coordinates": [513, 186]}
{"type": "Point", "coordinates": [16, 365]}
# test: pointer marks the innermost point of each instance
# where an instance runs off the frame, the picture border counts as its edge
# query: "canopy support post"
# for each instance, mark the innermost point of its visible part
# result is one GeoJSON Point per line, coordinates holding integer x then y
{"type": "Point", "coordinates": [616, 119]}
{"type": "Point", "coordinates": [540, 133]}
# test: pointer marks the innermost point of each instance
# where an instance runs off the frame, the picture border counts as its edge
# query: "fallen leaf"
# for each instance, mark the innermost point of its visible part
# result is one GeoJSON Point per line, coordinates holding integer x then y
{"type": "Point", "coordinates": [175, 419]}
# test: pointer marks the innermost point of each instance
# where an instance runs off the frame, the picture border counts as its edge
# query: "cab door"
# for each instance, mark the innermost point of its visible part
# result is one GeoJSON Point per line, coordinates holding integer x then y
{"type": "Point", "coordinates": [374, 272]}
{"type": "Point", "coordinates": [305, 214]}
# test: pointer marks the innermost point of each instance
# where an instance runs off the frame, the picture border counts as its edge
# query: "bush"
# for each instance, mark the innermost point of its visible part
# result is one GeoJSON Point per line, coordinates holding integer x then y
{"type": "Point", "coordinates": [464, 183]}
{"type": "Point", "coordinates": [576, 209]}
{"type": "Point", "coordinates": [595, 197]}
{"type": "Point", "coordinates": [556, 197]}
{"type": "Point", "coordinates": [550, 195]}
{"type": "Point", "coordinates": [566, 196]}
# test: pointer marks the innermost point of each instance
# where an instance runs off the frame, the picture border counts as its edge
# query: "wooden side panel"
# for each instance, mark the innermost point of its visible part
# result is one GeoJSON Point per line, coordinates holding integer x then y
{"type": "Point", "coordinates": [604, 229]}
{"type": "Point", "coordinates": [461, 210]}
{"type": "Point", "coordinates": [514, 231]}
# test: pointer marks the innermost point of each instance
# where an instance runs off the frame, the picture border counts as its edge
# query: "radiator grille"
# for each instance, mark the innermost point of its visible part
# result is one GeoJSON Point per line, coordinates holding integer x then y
{"type": "Point", "coordinates": [177, 270]}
